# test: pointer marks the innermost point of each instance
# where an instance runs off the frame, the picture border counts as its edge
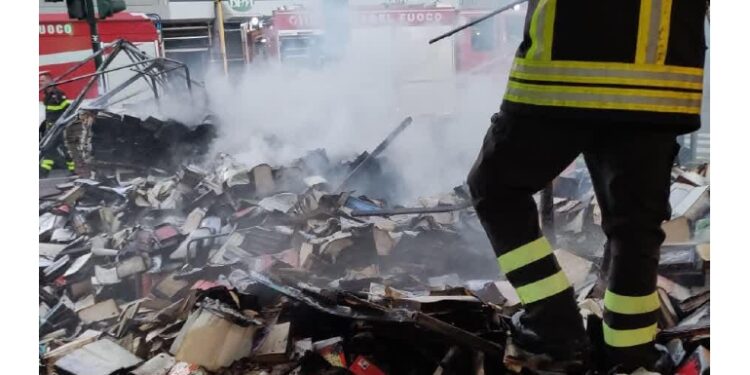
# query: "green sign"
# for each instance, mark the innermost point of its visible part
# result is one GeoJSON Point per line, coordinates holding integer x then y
{"type": "Point", "coordinates": [240, 5]}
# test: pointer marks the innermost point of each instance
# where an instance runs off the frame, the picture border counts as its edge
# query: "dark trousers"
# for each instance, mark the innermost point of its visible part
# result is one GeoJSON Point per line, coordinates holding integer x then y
{"type": "Point", "coordinates": [630, 170]}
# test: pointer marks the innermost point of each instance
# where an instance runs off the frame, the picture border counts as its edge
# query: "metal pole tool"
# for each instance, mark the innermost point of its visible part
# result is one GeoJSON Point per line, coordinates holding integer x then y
{"type": "Point", "coordinates": [478, 20]}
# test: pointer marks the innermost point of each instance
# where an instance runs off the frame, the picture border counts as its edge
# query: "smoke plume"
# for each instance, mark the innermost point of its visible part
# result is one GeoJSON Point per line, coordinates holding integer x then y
{"type": "Point", "coordinates": [274, 113]}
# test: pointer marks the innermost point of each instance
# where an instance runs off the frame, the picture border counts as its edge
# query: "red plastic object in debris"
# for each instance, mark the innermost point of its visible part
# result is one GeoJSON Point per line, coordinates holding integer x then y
{"type": "Point", "coordinates": [362, 366]}
{"type": "Point", "coordinates": [697, 364]}
{"type": "Point", "coordinates": [62, 209]}
{"type": "Point", "coordinates": [204, 285]}
{"type": "Point", "coordinates": [166, 232]}
{"type": "Point", "coordinates": [332, 350]}
{"type": "Point", "coordinates": [60, 281]}
{"type": "Point", "coordinates": [242, 213]}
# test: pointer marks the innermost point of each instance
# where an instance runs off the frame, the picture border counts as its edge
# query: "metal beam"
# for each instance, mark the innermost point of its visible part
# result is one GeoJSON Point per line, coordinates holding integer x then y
{"type": "Point", "coordinates": [410, 210]}
{"type": "Point", "coordinates": [377, 151]}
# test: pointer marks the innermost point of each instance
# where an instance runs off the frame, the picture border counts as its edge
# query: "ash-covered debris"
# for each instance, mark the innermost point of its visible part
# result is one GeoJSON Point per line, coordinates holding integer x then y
{"type": "Point", "coordinates": [104, 141]}
{"type": "Point", "coordinates": [224, 268]}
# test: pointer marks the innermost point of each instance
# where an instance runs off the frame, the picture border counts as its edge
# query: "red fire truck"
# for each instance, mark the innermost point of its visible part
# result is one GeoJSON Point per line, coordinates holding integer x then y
{"type": "Point", "coordinates": [63, 42]}
{"type": "Point", "coordinates": [489, 46]}
{"type": "Point", "coordinates": [299, 35]}
{"type": "Point", "coordinates": [304, 37]}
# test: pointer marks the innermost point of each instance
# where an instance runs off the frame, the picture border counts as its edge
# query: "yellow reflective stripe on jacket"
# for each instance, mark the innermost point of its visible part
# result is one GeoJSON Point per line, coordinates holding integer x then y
{"type": "Point", "coordinates": [612, 66]}
{"type": "Point", "coordinates": [630, 305]}
{"type": "Point", "coordinates": [58, 107]}
{"type": "Point", "coordinates": [605, 98]}
{"type": "Point", "coordinates": [543, 288]}
{"type": "Point", "coordinates": [620, 338]}
{"type": "Point", "coordinates": [687, 97]}
{"type": "Point", "coordinates": [653, 31]}
{"type": "Point", "coordinates": [665, 20]}
{"type": "Point", "coordinates": [556, 72]}
{"type": "Point", "coordinates": [549, 27]}
{"type": "Point", "coordinates": [524, 255]}
{"type": "Point", "coordinates": [644, 23]}
{"type": "Point", "coordinates": [541, 30]}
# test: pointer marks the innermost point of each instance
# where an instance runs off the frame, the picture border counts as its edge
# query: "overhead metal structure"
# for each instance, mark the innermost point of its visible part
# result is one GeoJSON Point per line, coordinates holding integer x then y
{"type": "Point", "coordinates": [159, 73]}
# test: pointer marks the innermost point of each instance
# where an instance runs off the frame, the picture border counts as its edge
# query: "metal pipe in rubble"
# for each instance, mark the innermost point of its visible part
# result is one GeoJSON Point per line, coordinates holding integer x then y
{"type": "Point", "coordinates": [84, 61]}
{"type": "Point", "coordinates": [102, 100]}
{"type": "Point", "coordinates": [223, 46]}
{"type": "Point", "coordinates": [180, 65]}
{"type": "Point", "coordinates": [411, 210]}
{"type": "Point", "coordinates": [129, 96]}
{"type": "Point", "coordinates": [377, 151]}
{"type": "Point", "coordinates": [478, 20]}
{"type": "Point", "coordinates": [98, 73]}
{"type": "Point", "coordinates": [150, 80]}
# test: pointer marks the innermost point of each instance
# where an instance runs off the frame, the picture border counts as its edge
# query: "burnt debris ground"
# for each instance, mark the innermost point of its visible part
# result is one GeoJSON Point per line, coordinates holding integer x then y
{"type": "Point", "coordinates": [160, 259]}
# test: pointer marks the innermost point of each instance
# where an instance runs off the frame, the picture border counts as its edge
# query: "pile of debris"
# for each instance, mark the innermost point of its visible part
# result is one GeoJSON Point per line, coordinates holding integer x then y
{"type": "Point", "coordinates": [225, 269]}
{"type": "Point", "coordinates": [97, 139]}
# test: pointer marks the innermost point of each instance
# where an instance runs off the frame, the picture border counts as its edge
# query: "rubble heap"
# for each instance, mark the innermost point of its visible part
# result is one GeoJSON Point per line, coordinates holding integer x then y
{"type": "Point", "coordinates": [225, 269]}
{"type": "Point", "coordinates": [98, 139]}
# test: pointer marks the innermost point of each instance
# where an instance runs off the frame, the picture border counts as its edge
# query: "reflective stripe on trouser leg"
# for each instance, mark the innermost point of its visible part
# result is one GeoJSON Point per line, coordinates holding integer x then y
{"type": "Point", "coordinates": [533, 270]}
{"type": "Point", "coordinates": [630, 320]}
{"type": "Point", "coordinates": [47, 164]}
{"type": "Point", "coordinates": [71, 165]}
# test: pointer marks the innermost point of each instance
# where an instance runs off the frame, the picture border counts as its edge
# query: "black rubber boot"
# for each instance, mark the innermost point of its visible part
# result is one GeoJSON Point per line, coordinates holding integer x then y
{"type": "Point", "coordinates": [570, 355]}
{"type": "Point", "coordinates": [607, 360]}
{"type": "Point", "coordinates": [656, 359]}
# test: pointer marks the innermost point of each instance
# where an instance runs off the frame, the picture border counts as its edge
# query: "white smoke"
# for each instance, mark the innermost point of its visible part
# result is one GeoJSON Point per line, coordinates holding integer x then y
{"type": "Point", "coordinates": [274, 114]}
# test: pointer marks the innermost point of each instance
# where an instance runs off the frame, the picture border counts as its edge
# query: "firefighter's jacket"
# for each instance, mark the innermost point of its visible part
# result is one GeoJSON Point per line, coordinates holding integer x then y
{"type": "Point", "coordinates": [640, 62]}
{"type": "Point", "coordinates": [55, 103]}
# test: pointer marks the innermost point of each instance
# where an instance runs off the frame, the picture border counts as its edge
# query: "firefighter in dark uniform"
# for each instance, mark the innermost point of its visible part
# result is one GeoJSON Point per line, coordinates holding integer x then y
{"type": "Point", "coordinates": [616, 81]}
{"type": "Point", "coordinates": [55, 103]}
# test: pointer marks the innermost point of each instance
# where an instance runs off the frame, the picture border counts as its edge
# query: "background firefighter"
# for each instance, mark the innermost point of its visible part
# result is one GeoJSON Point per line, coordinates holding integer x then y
{"type": "Point", "coordinates": [616, 82]}
{"type": "Point", "coordinates": [55, 103]}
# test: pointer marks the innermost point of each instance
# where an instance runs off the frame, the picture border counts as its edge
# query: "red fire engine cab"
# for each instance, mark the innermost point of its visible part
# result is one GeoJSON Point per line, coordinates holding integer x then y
{"type": "Point", "coordinates": [488, 46]}
{"type": "Point", "coordinates": [64, 42]}
{"type": "Point", "coordinates": [301, 35]}
{"type": "Point", "coordinates": [401, 32]}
